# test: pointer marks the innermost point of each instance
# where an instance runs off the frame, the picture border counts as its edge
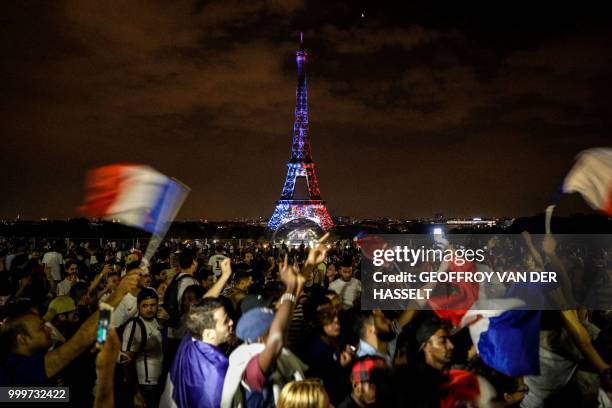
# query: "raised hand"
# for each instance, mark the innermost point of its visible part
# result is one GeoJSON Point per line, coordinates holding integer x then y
{"type": "Point", "coordinates": [226, 268]}
{"type": "Point", "coordinates": [288, 274]}
{"type": "Point", "coordinates": [549, 244]}
{"type": "Point", "coordinates": [318, 254]}
{"type": "Point", "coordinates": [347, 356]}
{"type": "Point", "coordinates": [107, 269]}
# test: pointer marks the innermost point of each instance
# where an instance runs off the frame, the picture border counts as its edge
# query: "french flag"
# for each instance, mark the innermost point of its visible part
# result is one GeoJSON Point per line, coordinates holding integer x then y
{"type": "Point", "coordinates": [591, 176]}
{"type": "Point", "coordinates": [506, 337]}
{"type": "Point", "coordinates": [136, 195]}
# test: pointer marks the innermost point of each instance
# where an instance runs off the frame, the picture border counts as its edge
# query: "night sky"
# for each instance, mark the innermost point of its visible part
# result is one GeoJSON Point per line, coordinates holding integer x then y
{"type": "Point", "coordinates": [415, 109]}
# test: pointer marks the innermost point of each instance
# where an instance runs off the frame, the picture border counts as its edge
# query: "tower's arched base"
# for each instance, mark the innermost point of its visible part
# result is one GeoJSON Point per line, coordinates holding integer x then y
{"type": "Point", "coordinates": [289, 210]}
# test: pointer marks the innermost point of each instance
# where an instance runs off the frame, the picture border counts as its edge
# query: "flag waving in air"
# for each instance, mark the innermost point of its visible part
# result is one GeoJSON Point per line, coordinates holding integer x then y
{"type": "Point", "coordinates": [591, 176]}
{"type": "Point", "coordinates": [136, 195]}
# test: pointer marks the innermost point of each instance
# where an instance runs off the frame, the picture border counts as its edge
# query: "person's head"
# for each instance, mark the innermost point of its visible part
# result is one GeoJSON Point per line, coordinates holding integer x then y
{"type": "Point", "coordinates": [510, 390]}
{"type": "Point", "coordinates": [72, 270]}
{"type": "Point", "coordinates": [530, 262]}
{"type": "Point", "coordinates": [303, 394]}
{"type": "Point", "coordinates": [191, 294]}
{"type": "Point", "coordinates": [145, 280]}
{"type": "Point", "coordinates": [62, 313]}
{"type": "Point", "coordinates": [35, 255]}
{"type": "Point", "coordinates": [373, 327]}
{"type": "Point", "coordinates": [243, 280]}
{"type": "Point", "coordinates": [383, 326]}
{"type": "Point", "coordinates": [205, 277]}
{"type": "Point", "coordinates": [335, 299]}
{"type": "Point", "coordinates": [160, 287]}
{"type": "Point", "coordinates": [327, 321]}
{"type": "Point", "coordinates": [112, 280]}
{"type": "Point", "coordinates": [148, 302]}
{"type": "Point", "coordinates": [25, 334]}
{"type": "Point", "coordinates": [271, 261]}
{"type": "Point", "coordinates": [163, 255]}
{"type": "Point", "coordinates": [253, 326]}
{"type": "Point", "coordinates": [331, 271]}
{"type": "Point", "coordinates": [248, 257]}
{"type": "Point", "coordinates": [346, 269]}
{"type": "Point", "coordinates": [433, 336]}
{"type": "Point", "coordinates": [208, 321]}
{"type": "Point", "coordinates": [187, 262]}
{"type": "Point", "coordinates": [364, 378]}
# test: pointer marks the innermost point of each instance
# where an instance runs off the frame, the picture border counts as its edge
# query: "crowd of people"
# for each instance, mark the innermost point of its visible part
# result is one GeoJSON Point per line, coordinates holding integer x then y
{"type": "Point", "coordinates": [207, 324]}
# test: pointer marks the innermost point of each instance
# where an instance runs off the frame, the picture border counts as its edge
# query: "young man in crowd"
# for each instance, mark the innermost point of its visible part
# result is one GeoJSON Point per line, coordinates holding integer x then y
{"type": "Point", "coordinates": [53, 261]}
{"type": "Point", "coordinates": [128, 308]}
{"type": "Point", "coordinates": [348, 287]}
{"type": "Point", "coordinates": [142, 342]}
{"type": "Point", "coordinates": [183, 279]}
{"type": "Point", "coordinates": [61, 319]}
{"type": "Point", "coordinates": [239, 290]}
{"type": "Point", "coordinates": [262, 365]}
{"type": "Point", "coordinates": [198, 371]}
{"type": "Point", "coordinates": [72, 271]}
{"type": "Point", "coordinates": [433, 337]}
{"type": "Point", "coordinates": [363, 382]}
{"type": "Point", "coordinates": [214, 263]}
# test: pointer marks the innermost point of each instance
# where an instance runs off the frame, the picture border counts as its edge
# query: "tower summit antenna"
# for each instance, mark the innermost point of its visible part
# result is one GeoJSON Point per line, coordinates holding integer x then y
{"type": "Point", "coordinates": [301, 40]}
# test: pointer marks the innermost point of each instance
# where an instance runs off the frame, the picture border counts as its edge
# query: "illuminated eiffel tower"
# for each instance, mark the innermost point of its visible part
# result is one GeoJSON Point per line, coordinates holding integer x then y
{"type": "Point", "coordinates": [301, 198]}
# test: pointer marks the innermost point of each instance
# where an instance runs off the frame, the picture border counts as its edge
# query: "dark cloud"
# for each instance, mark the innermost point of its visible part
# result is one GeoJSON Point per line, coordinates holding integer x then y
{"type": "Point", "coordinates": [436, 111]}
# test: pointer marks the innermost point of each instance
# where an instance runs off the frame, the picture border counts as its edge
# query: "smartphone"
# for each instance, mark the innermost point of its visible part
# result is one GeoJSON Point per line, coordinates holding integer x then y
{"type": "Point", "coordinates": [104, 323]}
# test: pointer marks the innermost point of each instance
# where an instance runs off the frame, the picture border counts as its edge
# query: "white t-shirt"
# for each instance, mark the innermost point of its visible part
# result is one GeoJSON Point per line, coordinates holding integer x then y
{"type": "Point", "coordinates": [215, 263]}
{"type": "Point", "coordinates": [127, 308]}
{"type": "Point", "coordinates": [179, 331]}
{"type": "Point", "coordinates": [54, 260]}
{"type": "Point", "coordinates": [63, 288]}
{"type": "Point", "coordinates": [348, 291]}
{"type": "Point", "coordinates": [153, 349]}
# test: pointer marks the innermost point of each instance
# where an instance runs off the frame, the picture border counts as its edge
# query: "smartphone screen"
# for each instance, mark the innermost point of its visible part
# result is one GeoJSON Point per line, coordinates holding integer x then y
{"type": "Point", "coordinates": [103, 323]}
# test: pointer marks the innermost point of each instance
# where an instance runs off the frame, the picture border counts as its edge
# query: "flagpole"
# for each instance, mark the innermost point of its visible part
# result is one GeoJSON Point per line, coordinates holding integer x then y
{"type": "Point", "coordinates": [549, 211]}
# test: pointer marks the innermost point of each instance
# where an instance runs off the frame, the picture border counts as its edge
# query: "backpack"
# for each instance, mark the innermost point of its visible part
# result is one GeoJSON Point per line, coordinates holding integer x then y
{"type": "Point", "coordinates": [121, 385]}
{"type": "Point", "coordinates": [171, 301]}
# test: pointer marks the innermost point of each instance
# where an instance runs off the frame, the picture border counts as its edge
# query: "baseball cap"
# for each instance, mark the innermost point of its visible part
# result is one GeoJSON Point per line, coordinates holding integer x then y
{"type": "Point", "coordinates": [254, 323]}
{"type": "Point", "coordinates": [364, 367]}
{"type": "Point", "coordinates": [427, 328]}
{"type": "Point", "coordinates": [59, 305]}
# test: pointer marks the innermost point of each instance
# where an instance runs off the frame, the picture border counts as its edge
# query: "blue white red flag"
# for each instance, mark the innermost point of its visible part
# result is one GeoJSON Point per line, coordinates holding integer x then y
{"type": "Point", "coordinates": [591, 176]}
{"type": "Point", "coordinates": [507, 339]}
{"type": "Point", "coordinates": [135, 195]}
{"type": "Point", "coordinates": [196, 377]}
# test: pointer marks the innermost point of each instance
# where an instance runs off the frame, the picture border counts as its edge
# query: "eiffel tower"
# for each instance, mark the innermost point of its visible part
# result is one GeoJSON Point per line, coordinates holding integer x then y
{"type": "Point", "coordinates": [301, 198]}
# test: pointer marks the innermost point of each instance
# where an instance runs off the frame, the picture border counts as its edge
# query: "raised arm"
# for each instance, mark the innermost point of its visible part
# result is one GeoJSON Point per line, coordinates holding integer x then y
{"type": "Point", "coordinates": [94, 284]}
{"type": "Point", "coordinates": [105, 364]}
{"type": "Point", "coordinates": [582, 340]}
{"type": "Point", "coordinates": [56, 360]}
{"type": "Point", "coordinates": [226, 273]}
{"type": "Point", "coordinates": [316, 255]}
{"type": "Point", "coordinates": [549, 246]}
{"type": "Point", "coordinates": [533, 251]}
{"type": "Point", "coordinates": [282, 318]}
